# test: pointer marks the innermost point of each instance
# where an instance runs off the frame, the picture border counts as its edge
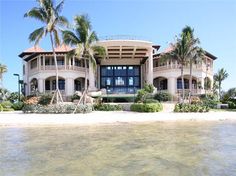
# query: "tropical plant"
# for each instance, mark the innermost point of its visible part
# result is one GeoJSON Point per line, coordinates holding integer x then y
{"type": "Point", "coordinates": [195, 53]}
{"type": "Point", "coordinates": [185, 51]}
{"type": "Point", "coordinates": [219, 77]}
{"type": "Point", "coordinates": [4, 94]}
{"type": "Point", "coordinates": [3, 69]}
{"type": "Point", "coordinates": [83, 39]}
{"type": "Point", "coordinates": [49, 14]}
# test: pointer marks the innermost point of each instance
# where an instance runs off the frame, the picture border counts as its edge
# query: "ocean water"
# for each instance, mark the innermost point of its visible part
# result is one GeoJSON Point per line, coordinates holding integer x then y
{"type": "Point", "coordinates": [163, 148]}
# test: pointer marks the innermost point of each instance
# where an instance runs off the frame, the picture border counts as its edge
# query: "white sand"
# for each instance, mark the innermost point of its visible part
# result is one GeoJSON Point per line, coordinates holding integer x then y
{"type": "Point", "coordinates": [20, 119]}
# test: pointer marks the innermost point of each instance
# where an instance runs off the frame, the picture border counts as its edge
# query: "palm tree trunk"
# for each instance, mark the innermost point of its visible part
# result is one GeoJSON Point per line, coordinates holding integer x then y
{"type": "Point", "coordinates": [57, 92]}
{"type": "Point", "coordinates": [86, 80]}
{"type": "Point", "coordinates": [219, 90]}
{"type": "Point", "coordinates": [182, 82]}
{"type": "Point", "coordinates": [190, 81]}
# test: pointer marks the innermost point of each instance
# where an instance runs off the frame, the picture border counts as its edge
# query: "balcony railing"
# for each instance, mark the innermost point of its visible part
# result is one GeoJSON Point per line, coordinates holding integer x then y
{"type": "Point", "coordinates": [176, 66]}
{"type": "Point", "coordinates": [60, 67]}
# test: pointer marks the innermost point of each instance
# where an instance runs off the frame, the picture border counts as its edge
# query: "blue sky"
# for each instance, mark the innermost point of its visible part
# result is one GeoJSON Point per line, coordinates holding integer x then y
{"type": "Point", "coordinates": [214, 22]}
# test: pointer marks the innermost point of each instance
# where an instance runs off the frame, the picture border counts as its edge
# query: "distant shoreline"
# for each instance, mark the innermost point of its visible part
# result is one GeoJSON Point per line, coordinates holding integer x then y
{"type": "Point", "coordinates": [18, 119]}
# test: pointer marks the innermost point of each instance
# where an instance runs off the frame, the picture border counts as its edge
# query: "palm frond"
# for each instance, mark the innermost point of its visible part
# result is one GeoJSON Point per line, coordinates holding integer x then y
{"type": "Point", "coordinates": [59, 7]}
{"type": "Point", "coordinates": [92, 37]}
{"type": "Point", "coordinates": [99, 51]}
{"type": "Point", "coordinates": [36, 13]}
{"type": "Point", "coordinates": [71, 53]}
{"type": "Point", "coordinates": [36, 35]}
{"type": "Point", "coordinates": [62, 21]}
{"type": "Point", "coordinates": [70, 38]}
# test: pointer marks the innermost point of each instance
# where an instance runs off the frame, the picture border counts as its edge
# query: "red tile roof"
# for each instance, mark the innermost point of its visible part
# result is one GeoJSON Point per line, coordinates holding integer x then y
{"type": "Point", "coordinates": [63, 48]}
{"type": "Point", "coordinates": [33, 49]}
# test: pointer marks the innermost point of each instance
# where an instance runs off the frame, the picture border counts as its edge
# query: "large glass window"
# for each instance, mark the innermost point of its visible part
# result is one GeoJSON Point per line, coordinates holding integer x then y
{"type": "Point", "coordinates": [120, 79]}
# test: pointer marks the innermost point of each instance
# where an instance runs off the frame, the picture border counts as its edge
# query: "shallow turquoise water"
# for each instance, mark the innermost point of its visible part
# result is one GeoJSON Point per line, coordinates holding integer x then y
{"type": "Point", "coordinates": [168, 148]}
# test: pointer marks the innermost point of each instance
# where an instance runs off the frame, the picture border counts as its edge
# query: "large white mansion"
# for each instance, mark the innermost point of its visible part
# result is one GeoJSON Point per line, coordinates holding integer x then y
{"type": "Point", "coordinates": [128, 65]}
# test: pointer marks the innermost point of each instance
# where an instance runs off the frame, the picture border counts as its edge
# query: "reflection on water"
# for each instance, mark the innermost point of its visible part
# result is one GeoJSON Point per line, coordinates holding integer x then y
{"type": "Point", "coordinates": [186, 148]}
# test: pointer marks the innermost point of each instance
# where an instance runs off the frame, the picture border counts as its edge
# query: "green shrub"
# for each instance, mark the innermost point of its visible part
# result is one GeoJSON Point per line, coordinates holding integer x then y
{"type": "Point", "coordinates": [6, 104]}
{"type": "Point", "coordinates": [162, 96]}
{"type": "Point", "coordinates": [1, 108]}
{"type": "Point", "coordinates": [146, 107]}
{"type": "Point", "coordinates": [145, 93]}
{"type": "Point", "coordinates": [75, 97]}
{"type": "Point", "coordinates": [57, 109]}
{"type": "Point", "coordinates": [232, 104]}
{"type": "Point", "coordinates": [210, 100]}
{"type": "Point", "coordinates": [150, 101]}
{"type": "Point", "coordinates": [107, 107]}
{"type": "Point", "coordinates": [185, 107]}
{"type": "Point", "coordinates": [18, 105]}
{"type": "Point", "coordinates": [45, 99]}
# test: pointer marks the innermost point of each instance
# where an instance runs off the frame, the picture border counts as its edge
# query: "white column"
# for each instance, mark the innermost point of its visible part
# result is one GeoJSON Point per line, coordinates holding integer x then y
{"type": "Point", "coordinates": [40, 85]}
{"type": "Point", "coordinates": [91, 77]}
{"type": "Point", "coordinates": [69, 86]}
{"type": "Point", "coordinates": [98, 77]}
{"type": "Point", "coordinates": [202, 85]}
{"type": "Point", "coordinates": [65, 62]}
{"type": "Point", "coordinates": [43, 62]}
{"type": "Point", "coordinates": [172, 85]}
{"type": "Point", "coordinates": [150, 67]}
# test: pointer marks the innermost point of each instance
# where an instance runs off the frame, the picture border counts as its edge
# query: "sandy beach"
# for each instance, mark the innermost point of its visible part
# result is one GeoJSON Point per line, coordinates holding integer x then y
{"type": "Point", "coordinates": [98, 117]}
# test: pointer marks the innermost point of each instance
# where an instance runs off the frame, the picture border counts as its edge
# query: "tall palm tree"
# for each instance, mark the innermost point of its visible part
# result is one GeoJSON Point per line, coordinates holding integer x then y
{"type": "Point", "coordinates": [83, 39]}
{"type": "Point", "coordinates": [49, 14]}
{"type": "Point", "coordinates": [3, 69]}
{"type": "Point", "coordinates": [219, 77]}
{"type": "Point", "coordinates": [195, 53]}
{"type": "Point", "coordinates": [185, 51]}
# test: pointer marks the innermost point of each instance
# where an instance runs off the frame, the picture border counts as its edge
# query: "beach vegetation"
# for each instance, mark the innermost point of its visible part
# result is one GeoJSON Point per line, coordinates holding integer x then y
{"type": "Point", "coordinates": [162, 96]}
{"type": "Point", "coordinates": [186, 107]}
{"type": "Point", "coordinates": [49, 14]}
{"type": "Point", "coordinates": [60, 108]}
{"type": "Point", "coordinates": [82, 38]}
{"type": "Point", "coordinates": [107, 107]}
{"type": "Point", "coordinates": [17, 106]}
{"type": "Point", "coordinates": [219, 77]}
{"type": "Point", "coordinates": [146, 107]}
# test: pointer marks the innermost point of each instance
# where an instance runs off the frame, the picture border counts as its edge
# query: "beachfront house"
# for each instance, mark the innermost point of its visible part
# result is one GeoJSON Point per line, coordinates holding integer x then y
{"type": "Point", "coordinates": [128, 65]}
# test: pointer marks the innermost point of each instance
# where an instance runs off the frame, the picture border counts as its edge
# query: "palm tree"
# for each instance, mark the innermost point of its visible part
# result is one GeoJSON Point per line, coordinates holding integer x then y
{"type": "Point", "coordinates": [185, 51]}
{"type": "Point", "coordinates": [83, 38]}
{"type": "Point", "coordinates": [49, 14]}
{"type": "Point", "coordinates": [219, 77]}
{"type": "Point", "coordinates": [195, 53]}
{"type": "Point", "coordinates": [3, 69]}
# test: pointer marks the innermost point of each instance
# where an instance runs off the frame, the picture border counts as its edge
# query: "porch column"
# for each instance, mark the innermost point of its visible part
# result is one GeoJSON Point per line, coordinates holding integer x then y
{"type": "Point", "coordinates": [91, 77]}
{"type": "Point", "coordinates": [150, 67]}
{"type": "Point", "coordinates": [172, 85]}
{"type": "Point", "coordinates": [98, 77]}
{"type": "Point", "coordinates": [69, 86]}
{"type": "Point", "coordinates": [40, 85]}
{"type": "Point", "coordinates": [65, 62]}
{"type": "Point", "coordinates": [202, 86]}
{"type": "Point", "coordinates": [43, 62]}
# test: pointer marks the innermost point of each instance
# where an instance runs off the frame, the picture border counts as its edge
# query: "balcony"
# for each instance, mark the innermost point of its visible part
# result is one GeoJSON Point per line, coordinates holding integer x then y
{"type": "Point", "coordinates": [60, 67]}
{"type": "Point", "coordinates": [176, 66]}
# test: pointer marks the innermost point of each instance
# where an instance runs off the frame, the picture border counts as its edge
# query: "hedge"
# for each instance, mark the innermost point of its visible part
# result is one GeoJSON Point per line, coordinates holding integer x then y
{"type": "Point", "coordinates": [107, 107]}
{"type": "Point", "coordinates": [146, 107]}
{"type": "Point", "coordinates": [184, 107]}
{"type": "Point", "coordinates": [57, 109]}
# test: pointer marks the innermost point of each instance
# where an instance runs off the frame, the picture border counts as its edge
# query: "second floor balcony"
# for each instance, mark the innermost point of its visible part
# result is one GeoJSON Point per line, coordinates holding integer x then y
{"type": "Point", "coordinates": [198, 67]}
